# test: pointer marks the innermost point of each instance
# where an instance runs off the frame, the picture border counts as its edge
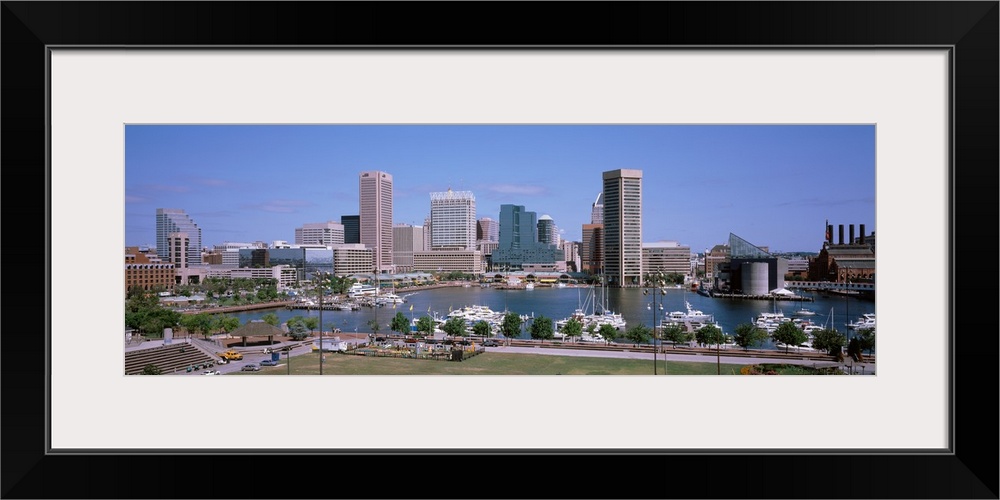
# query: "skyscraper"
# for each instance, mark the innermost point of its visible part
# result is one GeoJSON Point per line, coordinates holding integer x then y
{"type": "Point", "coordinates": [174, 220]}
{"type": "Point", "coordinates": [592, 248]}
{"type": "Point", "coordinates": [406, 240]}
{"type": "Point", "coordinates": [488, 229]}
{"type": "Point", "coordinates": [375, 216]}
{"type": "Point", "coordinates": [453, 220]}
{"type": "Point", "coordinates": [547, 232]}
{"type": "Point", "coordinates": [352, 228]}
{"type": "Point", "coordinates": [623, 227]}
{"type": "Point", "coordinates": [519, 243]}
{"type": "Point", "coordinates": [597, 210]}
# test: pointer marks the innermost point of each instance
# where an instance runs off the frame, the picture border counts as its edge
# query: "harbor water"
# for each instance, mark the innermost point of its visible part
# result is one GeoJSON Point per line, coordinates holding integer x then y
{"type": "Point", "coordinates": [831, 310]}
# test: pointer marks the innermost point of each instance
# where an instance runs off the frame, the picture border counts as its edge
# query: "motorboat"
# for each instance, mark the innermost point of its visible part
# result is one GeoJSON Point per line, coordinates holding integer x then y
{"type": "Point", "coordinates": [803, 347]}
{"type": "Point", "coordinates": [390, 298]}
{"type": "Point", "coordinates": [866, 320]}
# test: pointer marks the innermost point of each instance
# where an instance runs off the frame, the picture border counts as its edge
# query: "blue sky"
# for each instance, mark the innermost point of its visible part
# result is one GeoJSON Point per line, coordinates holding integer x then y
{"type": "Point", "coordinates": [773, 185]}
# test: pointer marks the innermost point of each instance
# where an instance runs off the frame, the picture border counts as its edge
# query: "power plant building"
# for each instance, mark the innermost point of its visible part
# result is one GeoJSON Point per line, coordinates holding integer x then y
{"type": "Point", "coordinates": [853, 261]}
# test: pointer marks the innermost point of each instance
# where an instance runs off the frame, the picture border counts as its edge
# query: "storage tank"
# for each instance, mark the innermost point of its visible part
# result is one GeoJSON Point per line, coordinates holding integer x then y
{"type": "Point", "coordinates": [754, 275]}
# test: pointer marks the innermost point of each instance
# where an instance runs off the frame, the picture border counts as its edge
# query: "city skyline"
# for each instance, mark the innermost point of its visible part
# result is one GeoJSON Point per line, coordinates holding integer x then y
{"type": "Point", "coordinates": [775, 185]}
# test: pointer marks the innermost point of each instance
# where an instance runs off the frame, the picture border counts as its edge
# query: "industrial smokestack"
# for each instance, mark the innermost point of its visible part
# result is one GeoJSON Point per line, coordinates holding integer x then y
{"type": "Point", "coordinates": [862, 238]}
{"type": "Point", "coordinates": [840, 229]}
{"type": "Point", "coordinates": [829, 233]}
{"type": "Point", "coordinates": [850, 232]}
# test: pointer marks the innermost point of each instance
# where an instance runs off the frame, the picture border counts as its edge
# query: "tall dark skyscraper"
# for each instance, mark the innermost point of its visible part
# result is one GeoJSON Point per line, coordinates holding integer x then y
{"type": "Point", "coordinates": [352, 228]}
{"type": "Point", "coordinates": [519, 243]}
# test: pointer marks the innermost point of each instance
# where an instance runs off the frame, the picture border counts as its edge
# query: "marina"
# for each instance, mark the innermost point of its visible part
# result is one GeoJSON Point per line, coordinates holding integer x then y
{"type": "Point", "coordinates": [629, 305]}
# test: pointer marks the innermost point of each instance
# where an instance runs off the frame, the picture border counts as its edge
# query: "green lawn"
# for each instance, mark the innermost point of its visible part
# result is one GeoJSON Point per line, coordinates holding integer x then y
{"type": "Point", "coordinates": [488, 364]}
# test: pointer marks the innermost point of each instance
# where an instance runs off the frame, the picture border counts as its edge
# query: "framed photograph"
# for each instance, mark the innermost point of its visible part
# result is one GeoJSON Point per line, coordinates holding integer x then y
{"type": "Point", "coordinates": [923, 75]}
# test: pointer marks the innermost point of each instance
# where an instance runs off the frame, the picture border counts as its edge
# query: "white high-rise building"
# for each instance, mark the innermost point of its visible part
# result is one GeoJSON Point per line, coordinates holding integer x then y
{"type": "Point", "coordinates": [375, 217]}
{"type": "Point", "coordinates": [320, 233]}
{"type": "Point", "coordinates": [453, 220]}
{"type": "Point", "coordinates": [174, 220]}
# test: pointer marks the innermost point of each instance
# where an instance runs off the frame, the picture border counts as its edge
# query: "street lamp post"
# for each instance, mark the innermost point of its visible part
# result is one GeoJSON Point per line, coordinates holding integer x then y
{"type": "Point", "coordinates": [656, 288]}
{"type": "Point", "coordinates": [321, 293]}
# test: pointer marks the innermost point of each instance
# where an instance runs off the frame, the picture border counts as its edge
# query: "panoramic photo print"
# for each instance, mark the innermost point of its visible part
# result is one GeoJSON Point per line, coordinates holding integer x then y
{"type": "Point", "coordinates": [652, 250]}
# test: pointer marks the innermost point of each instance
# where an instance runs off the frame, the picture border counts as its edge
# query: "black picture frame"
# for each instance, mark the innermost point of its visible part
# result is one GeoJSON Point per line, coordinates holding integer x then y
{"type": "Point", "coordinates": [969, 28]}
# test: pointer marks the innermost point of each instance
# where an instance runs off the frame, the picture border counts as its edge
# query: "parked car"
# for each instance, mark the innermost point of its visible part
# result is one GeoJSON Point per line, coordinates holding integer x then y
{"type": "Point", "coordinates": [252, 367]}
{"type": "Point", "coordinates": [269, 362]}
{"type": "Point", "coordinates": [491, 343]}
{"type": "Point", "coordinates": [230, 355]}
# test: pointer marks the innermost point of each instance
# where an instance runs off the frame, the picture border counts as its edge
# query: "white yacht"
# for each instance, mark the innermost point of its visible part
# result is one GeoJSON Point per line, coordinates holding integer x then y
{"type": "Point", "coordinates": [866, 320]}
{"type": "Point", "coordinates": [361, 290]}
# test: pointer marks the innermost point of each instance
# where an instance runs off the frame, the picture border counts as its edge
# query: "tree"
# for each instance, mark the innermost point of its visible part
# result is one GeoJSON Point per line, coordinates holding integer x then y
{"type": "Point", "coordinates": [638, 334]}
{"type": "Point", "coordinates": [202, 323]}
{"type": "Point", "coordinates": [789, 334]}
{"type": "Point", "coordinates": [297, 330]}
{"type": "Point", "coordinates": [608, 332]}
{"type": "Point", "coordinates": [144, 313]}
{"type": "Point", "coordinates": [675, 334]}
{"type": "Point", "coordinates": [227, 323]}
{"type": "Point", "coordinates": [829, 340]}
{"type": "Point", "coordinates": [400, 323]}
{"type": "Point", "coordinates": [311, 322]}
{"type": "Point", "coordinates": [511, 326]}
{"type": "Point", "coordinates": [455, 326]}
{"type": "Point", "coordinates": [749, 335]}
{"type": "Point", "coordinates": [710, 334]}
{"type": "Point", "coordinates": [150, 369]}
{"type": "Point", "coordinates": [541, 328]}
{"type": "Point", "coordinates": [271, 319]}
{"type": "Point", "coordinates": [425, 325]}
{"type": "Point", "coordinates": [481, 328]}
{"type": "Point", "coordinates": [373, 325]}
{"type": "Point", "coordinates": [573, 328]}
{"type": "Point", "coordinates": [866, 339]}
